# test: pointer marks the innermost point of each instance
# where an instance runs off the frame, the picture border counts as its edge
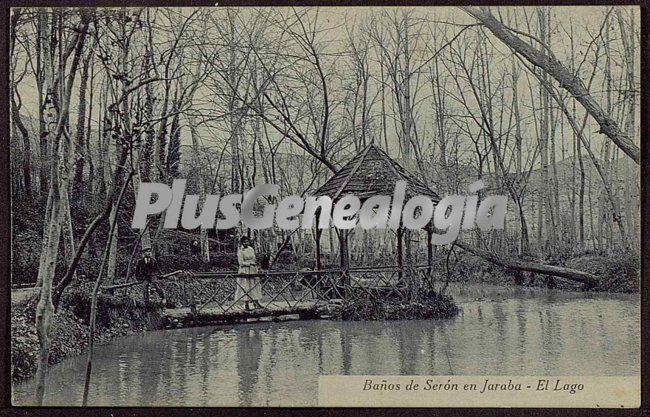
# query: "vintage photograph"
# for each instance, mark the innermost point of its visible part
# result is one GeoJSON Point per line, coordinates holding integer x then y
{"type": "Point", "coordinates": [325, 206]}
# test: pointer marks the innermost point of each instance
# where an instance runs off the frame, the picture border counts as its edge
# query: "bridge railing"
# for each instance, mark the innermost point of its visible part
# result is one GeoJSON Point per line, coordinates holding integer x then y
{"type": "Point", "coordinates": [227, 291]}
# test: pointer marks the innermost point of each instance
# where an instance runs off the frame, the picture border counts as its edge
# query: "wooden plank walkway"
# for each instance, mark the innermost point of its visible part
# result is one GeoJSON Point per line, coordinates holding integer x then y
{"type": "Point", "coordinates": [211, 314]}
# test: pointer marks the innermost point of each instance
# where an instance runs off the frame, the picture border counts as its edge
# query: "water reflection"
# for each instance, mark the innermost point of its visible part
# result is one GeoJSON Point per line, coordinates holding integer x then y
{"type": "Point", "coordinates": [502, 331]}
{"type": "Point", "coordinates": [249, 351]}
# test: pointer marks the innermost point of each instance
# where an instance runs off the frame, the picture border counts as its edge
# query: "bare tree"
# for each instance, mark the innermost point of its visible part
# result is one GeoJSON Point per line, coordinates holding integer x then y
{"type": "Point", "coordinates": [547, 61]}
{"type": "Point", "coordinates": [59, 176]}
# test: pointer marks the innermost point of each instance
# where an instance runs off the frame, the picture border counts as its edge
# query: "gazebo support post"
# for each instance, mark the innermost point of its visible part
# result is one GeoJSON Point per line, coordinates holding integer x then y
{"type": "Point", "coordinates": [317, 236]}
{"type": "Point", "coordinates": [345, 258]}
{"type": "Point", "coordinates": [319, 265]}
{"type": "Point", "coordinates": [430, 249]}
{"type": "Point", "coordinates": [343, 246]}
{"type": "Point", "coordinates": [400, 254]}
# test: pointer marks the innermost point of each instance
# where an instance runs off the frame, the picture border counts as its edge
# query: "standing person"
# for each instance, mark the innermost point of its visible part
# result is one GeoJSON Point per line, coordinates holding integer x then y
{"type": "Point", "coordinates": [146, 271]}
{"type": "Point", "coordinates": [248, 289]}
{"type": "Point", "coordinates": [195, 249]}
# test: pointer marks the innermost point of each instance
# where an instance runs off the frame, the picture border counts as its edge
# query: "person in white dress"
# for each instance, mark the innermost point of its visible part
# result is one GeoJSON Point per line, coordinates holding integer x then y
{"type": "Point", "coordinates": [248, 289]}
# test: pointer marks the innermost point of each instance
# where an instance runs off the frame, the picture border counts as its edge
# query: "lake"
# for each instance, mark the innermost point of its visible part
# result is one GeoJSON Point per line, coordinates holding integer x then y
{"type": "Point", "coordinates": [500, 331]}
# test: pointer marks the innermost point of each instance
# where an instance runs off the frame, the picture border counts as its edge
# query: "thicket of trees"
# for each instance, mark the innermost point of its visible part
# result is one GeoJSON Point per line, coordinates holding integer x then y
{"type": "Point", "coordinates": [542, 103]}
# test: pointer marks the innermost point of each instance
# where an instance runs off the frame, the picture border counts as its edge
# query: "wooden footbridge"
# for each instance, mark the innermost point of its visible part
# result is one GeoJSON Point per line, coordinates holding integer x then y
{"type": "Point", "coordinates": [218, 297]}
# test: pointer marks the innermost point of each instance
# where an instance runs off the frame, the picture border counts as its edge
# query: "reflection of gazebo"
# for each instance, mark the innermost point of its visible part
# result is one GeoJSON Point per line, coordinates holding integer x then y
{"type": "Point", "coordinates": [372, 172]}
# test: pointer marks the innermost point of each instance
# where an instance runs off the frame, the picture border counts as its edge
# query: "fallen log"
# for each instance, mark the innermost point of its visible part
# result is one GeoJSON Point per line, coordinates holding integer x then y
{"type": "Point", "coordinates": [572, 274]}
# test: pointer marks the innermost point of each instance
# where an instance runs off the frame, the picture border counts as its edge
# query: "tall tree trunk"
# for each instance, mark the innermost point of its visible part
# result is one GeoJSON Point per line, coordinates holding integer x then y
{"type": "Point", "coordinates": [58, 185]}
{"type": "Point", "coordinates": [204, 242]}
{"type": "Point", "coordinates": [87, 151]}
{"type": "Point", "coordinates": [17, 122]}
{"type": "Point", "coordinates": [80, 138]}
{"type": "Point", "coordinates": [98, 282]}
{"type": "Point", "coordinates": [68, 231]}
{"type": "Point", "coordinates": [578, 156]}
{"type": "Point", "coordinates": [524, 239]}
{"type": "Point", "coordinates": [629, 39]}
{"type": "Point", "coordinates": [41, 38]}
{"type": "Point", "coordinates": [111, 264]}
{"type": "Point", "coordinates": [546, 207]}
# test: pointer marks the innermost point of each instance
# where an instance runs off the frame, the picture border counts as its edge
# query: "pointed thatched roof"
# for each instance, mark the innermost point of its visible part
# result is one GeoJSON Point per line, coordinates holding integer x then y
{"type": "Point", "coordinates": [372, 172]}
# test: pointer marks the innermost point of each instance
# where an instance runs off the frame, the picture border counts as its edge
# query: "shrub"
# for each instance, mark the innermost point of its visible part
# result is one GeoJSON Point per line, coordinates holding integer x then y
{"type": "Point", "coordinates": [69, 337]}
{"type": "Point", "coordinates": [286, 257]}
{"type": "Point", "coordinates": [429, 306]}
{"type": "Point", "coordinates": [618, 272]}
{"type": "Point", "coordinates": [224, 260]}
{"type": "Point", "coordinates": [24, 344]}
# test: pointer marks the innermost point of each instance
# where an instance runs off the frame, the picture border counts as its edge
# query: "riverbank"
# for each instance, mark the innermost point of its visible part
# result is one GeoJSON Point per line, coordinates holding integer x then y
{"type": "Point", "coordinates": [117, 317]}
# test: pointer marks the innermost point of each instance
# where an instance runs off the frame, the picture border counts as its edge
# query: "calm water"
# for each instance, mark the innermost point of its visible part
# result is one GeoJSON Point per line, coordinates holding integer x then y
{"type": "Point", "coordinates": [500, 331]}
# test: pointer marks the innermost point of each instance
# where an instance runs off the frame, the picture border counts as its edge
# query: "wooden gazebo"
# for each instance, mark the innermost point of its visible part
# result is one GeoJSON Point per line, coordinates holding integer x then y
{"type": "Point", "coordinates": [372, 172]}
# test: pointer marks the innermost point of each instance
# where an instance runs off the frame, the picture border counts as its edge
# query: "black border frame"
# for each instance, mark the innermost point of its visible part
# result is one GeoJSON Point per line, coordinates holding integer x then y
{"type": "Point", "coordinates": [5, 227]}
